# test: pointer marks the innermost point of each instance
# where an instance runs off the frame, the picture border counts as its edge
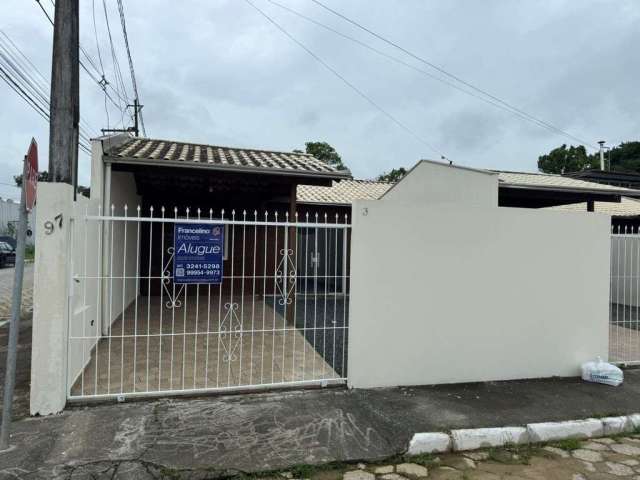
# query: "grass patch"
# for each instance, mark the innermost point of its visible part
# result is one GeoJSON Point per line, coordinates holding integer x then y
{"type": "Point", "coordinates": [512, 454]}
{"type": "Point", "coordinates": [568, 444]}
{"type": "Point", "coordinates": [424, 459]}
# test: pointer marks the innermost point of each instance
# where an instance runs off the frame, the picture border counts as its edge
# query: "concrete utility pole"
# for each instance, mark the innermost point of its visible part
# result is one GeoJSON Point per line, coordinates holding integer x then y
{"type": "Point", "coordinates": [601, 143]}
{"type": "Point", "coordinates": [65, 94]}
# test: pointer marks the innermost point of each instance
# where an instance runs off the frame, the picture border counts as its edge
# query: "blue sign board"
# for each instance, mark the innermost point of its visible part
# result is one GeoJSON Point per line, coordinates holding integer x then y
{"type": "Point", "coordinates": [198, 251]}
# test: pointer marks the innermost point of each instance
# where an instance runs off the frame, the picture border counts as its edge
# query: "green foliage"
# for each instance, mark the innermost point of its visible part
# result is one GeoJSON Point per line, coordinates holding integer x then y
{"type": "Point", "coordinates": [393, 176]}
{"type": "Point", "coordinates": [624, 157]}
{"type": "Point", "coordinates": [42, 177]}
{"type": "Point", "coordinates": [30, 252]}
{"type": "Point", "coordinates": [325, 152]}
{"type": "Point", "coordinates": [568, 444]}
{"type": "Point", "coordinates": [424, 459]}
{"type": "Point", "coordinates": [564, 160]}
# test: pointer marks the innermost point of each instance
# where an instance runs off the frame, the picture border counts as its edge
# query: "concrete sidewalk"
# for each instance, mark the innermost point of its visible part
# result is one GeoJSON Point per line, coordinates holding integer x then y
{"type": "Point", "coordinates": [205, 437]}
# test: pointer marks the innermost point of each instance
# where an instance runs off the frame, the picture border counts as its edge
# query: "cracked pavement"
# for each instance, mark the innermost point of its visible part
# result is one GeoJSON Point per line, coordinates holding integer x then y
{"type": "Point", "coordinates": [213, 436]}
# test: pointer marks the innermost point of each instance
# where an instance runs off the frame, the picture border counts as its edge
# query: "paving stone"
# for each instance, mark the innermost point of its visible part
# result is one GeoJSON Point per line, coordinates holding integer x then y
{"type": "Point", "coordinates": [597, 446]}
{"type": "Point", "coordinates": [587, 455]}
{"type": "Point", "coordinates": [383, 469]}
{"type": "Point", "coordinates": [578, 476]}
{"type": "Point", "coordinates": [393, 476]}
{"type": "Point", "coordinates": [588, 466]}
{"type": "Point", "coordinates": [604, 440]}
{"type": "Point", "coordinates": [412, 470]}
{"type": "Point", "coordinates": [477, 456]}
{"type": "Point", "coordinates": [362, 466]}
{"type": "Point", "coordinates": [557, 451]}
{"type": "Point", "coordinates": [624, 449]}
{"type": "Point", "coordinates": [631, 462]}
{"type": "Point", "coordinates": [358, 475]}
{"type": "Point", "coordinates": [460, 463]}
{"type": "Point", "coordinates": [619, 470]}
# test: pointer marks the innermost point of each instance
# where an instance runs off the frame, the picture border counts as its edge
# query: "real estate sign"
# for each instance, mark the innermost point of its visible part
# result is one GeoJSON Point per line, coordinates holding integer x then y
{"type": "Point", "coordinates": [198, 253]}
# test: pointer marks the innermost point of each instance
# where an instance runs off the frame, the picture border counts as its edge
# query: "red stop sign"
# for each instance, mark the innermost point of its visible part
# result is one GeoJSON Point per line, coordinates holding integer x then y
{"type": "Point", "coordinates": [30, 174]}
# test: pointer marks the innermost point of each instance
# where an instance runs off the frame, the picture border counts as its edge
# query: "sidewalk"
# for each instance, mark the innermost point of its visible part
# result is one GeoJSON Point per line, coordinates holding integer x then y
{"type": "Point", "coordinates": [207, 436]}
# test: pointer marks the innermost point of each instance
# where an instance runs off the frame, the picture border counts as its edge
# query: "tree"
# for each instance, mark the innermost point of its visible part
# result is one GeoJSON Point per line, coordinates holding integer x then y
{"type": "Point", "coordinates": [42, 177]}
{"type": "Point", "coordinates": [625, 157]}
{"type": "Point", "coordinates": [325, 152]}
{"type": "Point", "coordinates": [395, 175]}
{"type": "Point", "coordinates": [565, 160]}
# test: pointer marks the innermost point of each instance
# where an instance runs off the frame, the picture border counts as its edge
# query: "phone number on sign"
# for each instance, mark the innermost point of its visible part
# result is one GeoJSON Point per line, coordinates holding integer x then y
{"type": "Point", "coordinates": [199, 273]}
{"type": "Point", "coordinates": [203, 266]}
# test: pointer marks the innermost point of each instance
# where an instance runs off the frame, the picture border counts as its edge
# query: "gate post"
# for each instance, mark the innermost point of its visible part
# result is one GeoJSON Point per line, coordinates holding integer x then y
{"type": "Point", "coordinates": [51, 299]}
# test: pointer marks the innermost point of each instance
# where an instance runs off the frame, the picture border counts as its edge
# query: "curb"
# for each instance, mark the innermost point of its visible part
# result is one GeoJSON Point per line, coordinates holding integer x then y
{"type": "Point", "coordinates": [477, 438]}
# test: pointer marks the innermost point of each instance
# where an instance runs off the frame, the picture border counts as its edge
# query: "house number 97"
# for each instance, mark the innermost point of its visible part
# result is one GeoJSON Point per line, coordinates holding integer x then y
{"type": "Point", "coordinates": [50, 226]}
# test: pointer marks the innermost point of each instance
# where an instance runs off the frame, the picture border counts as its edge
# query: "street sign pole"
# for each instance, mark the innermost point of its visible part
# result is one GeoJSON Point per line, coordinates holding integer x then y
{"type": "Point", "coordinates": [30, 161]}
{"type": "Point", "coordinates": [14, 326]}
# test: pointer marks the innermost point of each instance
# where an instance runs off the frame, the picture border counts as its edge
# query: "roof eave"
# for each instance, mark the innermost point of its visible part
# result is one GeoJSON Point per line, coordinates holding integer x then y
{"type": "Point", "coordinates": [594, 191]}
{"type": "Point", "coordinates": [226, 168]}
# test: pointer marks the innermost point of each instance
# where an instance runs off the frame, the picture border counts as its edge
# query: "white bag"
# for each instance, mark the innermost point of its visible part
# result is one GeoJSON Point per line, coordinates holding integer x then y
{"type": "Point", "coordinates": [602, 372]}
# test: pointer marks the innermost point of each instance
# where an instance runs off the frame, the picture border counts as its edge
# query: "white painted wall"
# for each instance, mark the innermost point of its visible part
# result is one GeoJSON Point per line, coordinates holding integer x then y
{"type": "Point", "coordinates": [625, 270]}
{"type": "Point", "coordinates": [459, 293]}
{"type": "Point", "coordinates": [121, 251]}
{"type": "Point", "coordinates": [50, 300]}
{"type": "Point", "coordinates": [430, 183]}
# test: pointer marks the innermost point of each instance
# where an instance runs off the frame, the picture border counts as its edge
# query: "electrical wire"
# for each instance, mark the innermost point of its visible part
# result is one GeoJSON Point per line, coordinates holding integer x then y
{"type": "Point", "coordinates": [99, 81]}
{"type": "Point", "coordinates": [347, 82]}
{"type": "Point", "coordinates": [114, 61]}
{"type": "Point", "coordinates": [398, 60]}
{"type": "Point", "coordinates": [17, 86]}
{"type": "Point", "coordinates": [31, 77]}
{"type": "Point", "coordinates": [532, 118]}
{"type": "Point", "coordinates": [134, 83]}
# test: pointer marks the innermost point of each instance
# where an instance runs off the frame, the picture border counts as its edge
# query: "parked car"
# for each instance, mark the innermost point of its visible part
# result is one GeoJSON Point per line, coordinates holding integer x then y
{"type": "Point", "coordinates": [7, 254]}
{"type": "Point", "coordinates": [10, 240]}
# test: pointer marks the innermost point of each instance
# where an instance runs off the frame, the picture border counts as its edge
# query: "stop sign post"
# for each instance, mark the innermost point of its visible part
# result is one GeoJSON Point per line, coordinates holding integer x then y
{"type": "Point", "coordinates": [27, 201]}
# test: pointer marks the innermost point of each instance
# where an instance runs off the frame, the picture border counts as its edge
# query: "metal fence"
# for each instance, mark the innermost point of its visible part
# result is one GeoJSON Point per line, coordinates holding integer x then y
{"type": "Point", "coordinates": [624, 317]}
{"type": "Point", "coordinates": [278, 317]}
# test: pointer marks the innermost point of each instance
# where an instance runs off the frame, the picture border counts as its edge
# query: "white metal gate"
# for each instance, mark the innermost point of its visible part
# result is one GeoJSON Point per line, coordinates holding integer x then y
{"type": "Point", "coordinates": [624, 314]}
{"type": "Point", "coordinates": [278, 318]}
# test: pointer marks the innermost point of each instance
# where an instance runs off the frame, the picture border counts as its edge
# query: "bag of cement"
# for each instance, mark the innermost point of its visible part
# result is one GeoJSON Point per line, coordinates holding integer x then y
{"type": "Point", "coordinates": [602, 372]}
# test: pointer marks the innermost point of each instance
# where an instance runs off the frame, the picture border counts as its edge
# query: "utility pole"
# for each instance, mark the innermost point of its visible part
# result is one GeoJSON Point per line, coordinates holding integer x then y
{"type": "Point", "coordinates": [65, 94]}
{"type": "Point", "coordinates": [601, 143]}
{"type": "Point", "coordinates": [136, 114]}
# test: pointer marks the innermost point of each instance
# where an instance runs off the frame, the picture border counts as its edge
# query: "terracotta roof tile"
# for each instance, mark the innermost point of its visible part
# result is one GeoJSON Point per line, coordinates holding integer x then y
{"type": "Point", "coordinates": [164, 151]}
{"type": "Point", "coordinates": [343, 192]}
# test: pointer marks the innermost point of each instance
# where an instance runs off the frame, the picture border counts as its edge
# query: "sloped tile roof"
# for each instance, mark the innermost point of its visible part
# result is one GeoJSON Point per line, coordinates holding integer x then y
{"type": "Point", "coordinates": [545, 180]}
{"type": "Point", "coordinates": [145, 150]}
{"type": "Point", "coordinates": [343, 192]}
{"type": "Point", "coordinates": [628, 207]}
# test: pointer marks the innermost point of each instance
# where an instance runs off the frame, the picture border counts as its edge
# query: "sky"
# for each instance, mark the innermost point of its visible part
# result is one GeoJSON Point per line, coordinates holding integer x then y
{"type": "Point", "coordinates": [218, 72]}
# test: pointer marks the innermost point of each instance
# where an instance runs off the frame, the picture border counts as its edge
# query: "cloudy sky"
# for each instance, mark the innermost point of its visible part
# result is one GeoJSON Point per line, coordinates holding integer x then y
{"type": "Point", "coordinates": [218, 72]}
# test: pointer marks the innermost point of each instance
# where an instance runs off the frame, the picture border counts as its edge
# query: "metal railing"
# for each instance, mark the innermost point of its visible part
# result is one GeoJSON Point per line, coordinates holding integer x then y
{"type": "Point", "coordinates": [624, 314]}
{"type": "Point", "coordinates": [277, 317]}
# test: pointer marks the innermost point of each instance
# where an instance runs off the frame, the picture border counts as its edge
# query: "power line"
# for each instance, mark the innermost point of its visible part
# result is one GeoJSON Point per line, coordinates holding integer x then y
{"type": "Point", "coordinates": [32, 102]}
{"type": "Point", "coordinates": [102, 82]}
{"type": "Point", "coordinates": [114, 61]}
{"type": "Point", "coordinates": [347, 82]}
{"type": "Point", "coordinates": [532, 118]}
{"type": "Point", "coordinates": [15, 60]}
{"type": "Point", "coordinates": [399, 60]}
{"type": "Point", "coordinates": [131, 69]}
